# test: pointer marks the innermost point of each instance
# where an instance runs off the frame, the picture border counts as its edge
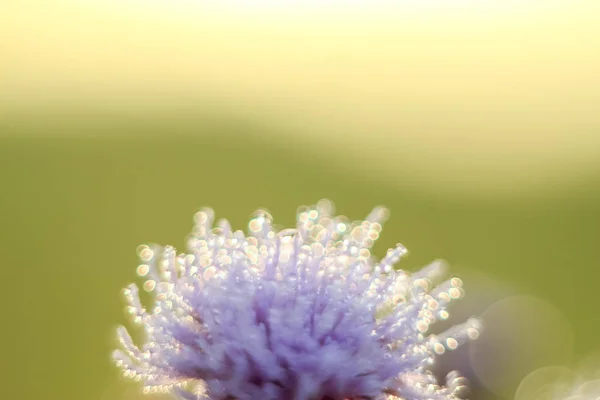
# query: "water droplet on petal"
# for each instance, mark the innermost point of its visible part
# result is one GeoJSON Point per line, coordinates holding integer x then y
{"type": "Point", "coordinates": [261, 221]}
{"type": "Point", "coordinates": [143, 269]}
{"type": "Point", "coordinates": [209, 273]}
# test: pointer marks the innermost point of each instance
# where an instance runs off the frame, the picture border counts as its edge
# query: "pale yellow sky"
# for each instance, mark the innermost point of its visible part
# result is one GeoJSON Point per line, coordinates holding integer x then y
{"type": "Point", "coordinates": [502, 94]}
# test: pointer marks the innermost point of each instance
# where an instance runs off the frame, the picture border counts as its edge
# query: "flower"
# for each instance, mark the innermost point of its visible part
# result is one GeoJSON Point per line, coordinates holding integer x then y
{"type": "Point", "coordinates": [295, 314]}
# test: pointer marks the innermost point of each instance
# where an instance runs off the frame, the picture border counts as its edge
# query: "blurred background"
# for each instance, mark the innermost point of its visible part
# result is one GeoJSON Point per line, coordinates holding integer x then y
{"type": "Point", "coordinates": [476, 122]}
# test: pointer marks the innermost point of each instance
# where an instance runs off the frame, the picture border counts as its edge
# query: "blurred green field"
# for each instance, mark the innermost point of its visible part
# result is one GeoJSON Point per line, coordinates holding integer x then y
{"type": "Point", "coordinates": [75, 206]}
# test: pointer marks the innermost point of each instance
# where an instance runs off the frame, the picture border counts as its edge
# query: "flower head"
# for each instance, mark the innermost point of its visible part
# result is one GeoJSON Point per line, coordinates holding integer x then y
{"type": "Point", "coordinates": [296, 314]}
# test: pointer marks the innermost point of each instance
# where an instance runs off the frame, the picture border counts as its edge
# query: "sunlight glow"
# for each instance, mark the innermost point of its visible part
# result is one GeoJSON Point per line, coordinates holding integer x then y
{"type": "Point", "coordinates": [510, 85]}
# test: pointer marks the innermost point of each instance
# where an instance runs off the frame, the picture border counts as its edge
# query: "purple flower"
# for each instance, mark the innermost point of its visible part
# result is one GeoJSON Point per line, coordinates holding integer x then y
{"type": "Point", "coordinates": [295, 314]}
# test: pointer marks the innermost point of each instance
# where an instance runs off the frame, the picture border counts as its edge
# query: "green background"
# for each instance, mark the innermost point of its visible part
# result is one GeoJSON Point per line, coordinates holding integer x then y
{"type": "Point", "coordinates": [75, 206]}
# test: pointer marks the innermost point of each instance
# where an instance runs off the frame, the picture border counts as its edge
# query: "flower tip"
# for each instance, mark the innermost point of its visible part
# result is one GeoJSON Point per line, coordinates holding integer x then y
{"type": "Point", "coordinates": [248, 317]}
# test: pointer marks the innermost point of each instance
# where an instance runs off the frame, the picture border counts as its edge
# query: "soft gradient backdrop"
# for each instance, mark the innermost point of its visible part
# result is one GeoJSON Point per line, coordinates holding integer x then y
{"type": "Point", "coordinates": [476, 122]}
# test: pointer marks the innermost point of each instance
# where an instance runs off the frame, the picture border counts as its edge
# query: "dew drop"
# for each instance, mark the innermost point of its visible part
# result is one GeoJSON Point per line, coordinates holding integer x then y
{"type": "Point", "coordinates": [433, 304]}
{"type": "Point", "coordinates": [149, 285]}
{"type": "Point", "coordinates": [456, 282]}
{"type": "Point", "coordinates": [473, 333]}
{"type": "Point", "coordinates": [452, 343]}
{"type": "Point", "coordinates": [145, 253]}
{"type": "Point", "coordinates": [143, 269]}
{"type": "Point", "coordinates": [260, 220]}
{"type": "Point", "coordinates": [204, 216]}
{"type": "Point", "coordinates": [364, 253]}
{"type": "Point", "coordinates": [439, 348]}
{"type": "Point", "coordinates": [209, 273]}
